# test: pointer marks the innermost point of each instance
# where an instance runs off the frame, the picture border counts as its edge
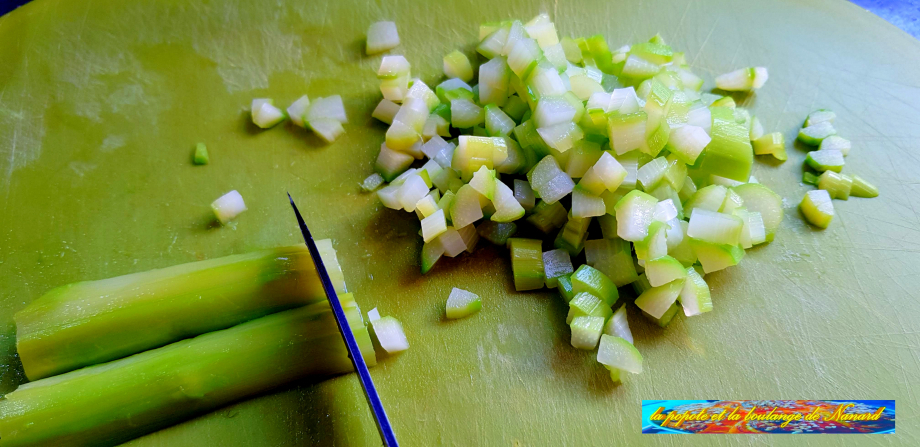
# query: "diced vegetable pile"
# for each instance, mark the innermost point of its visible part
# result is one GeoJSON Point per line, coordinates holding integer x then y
{"type": "Point", "coordinates": [558, 134]}
{"type": "Point", "coordinates": [324, 116]}
{"type": "Point", "coordinates": [828, 161]}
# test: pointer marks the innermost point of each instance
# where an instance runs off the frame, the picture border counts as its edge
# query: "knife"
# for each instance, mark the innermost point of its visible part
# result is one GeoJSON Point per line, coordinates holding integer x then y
{"type": "Point", "coordinates": [354, 352]}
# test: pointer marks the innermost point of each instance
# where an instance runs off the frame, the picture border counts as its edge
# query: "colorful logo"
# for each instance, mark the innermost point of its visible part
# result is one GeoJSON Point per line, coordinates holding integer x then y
{"type": "Point", "coordinates": [767, 416]}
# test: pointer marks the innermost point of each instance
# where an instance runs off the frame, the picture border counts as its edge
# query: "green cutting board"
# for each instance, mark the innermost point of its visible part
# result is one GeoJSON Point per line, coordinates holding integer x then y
{"type": "Point", "coordinates": [102, 102]}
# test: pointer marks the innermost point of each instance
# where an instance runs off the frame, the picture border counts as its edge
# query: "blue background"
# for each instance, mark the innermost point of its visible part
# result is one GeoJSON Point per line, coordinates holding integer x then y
{"type": "Point", "coordinates": [902, 13]}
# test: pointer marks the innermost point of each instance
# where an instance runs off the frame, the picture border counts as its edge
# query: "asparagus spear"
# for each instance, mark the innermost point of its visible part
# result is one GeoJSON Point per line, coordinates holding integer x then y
{"type": "Point", "coordinates": [92, 322]}
{"type": "Point", "coordinates": [111, 403]}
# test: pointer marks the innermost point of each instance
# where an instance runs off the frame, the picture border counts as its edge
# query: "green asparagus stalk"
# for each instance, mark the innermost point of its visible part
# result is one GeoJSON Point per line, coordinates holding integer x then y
{"type": "Point", "coordinates": [93, 322]}
{"type": "Point", "coordinates": [113, 402]}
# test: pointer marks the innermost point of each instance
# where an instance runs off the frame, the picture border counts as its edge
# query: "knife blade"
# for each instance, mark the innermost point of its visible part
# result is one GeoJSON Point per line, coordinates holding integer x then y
{"type": "Point", "coordinates": [354, 352]}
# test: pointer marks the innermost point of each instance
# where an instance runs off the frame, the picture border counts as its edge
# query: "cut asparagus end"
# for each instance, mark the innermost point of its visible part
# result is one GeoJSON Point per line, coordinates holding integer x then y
{"type": "Point", "coordinates": [120, 400]}
{"type": "Point", "coordinates": [862, 188]}
{"type": "Point", "coordinates": [230, 290]}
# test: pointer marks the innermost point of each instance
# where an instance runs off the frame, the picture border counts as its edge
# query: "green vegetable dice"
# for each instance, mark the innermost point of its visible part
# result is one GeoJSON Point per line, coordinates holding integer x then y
{"type": "Point", "coordinates": [591, 280]}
